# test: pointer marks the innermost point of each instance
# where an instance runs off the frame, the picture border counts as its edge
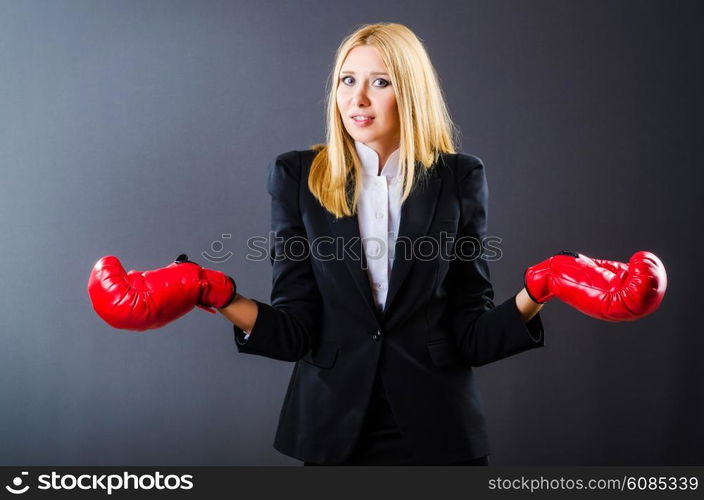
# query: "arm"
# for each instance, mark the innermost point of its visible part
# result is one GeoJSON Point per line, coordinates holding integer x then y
{"type": "Point", "coordinates": [482, 331]}
{"type": "Point", "coordinates": [288, 328]}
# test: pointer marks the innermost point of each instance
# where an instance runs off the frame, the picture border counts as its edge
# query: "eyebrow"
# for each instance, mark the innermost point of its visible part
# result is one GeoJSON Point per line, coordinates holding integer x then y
{"type": "Point", "coordinates": [372, 73]}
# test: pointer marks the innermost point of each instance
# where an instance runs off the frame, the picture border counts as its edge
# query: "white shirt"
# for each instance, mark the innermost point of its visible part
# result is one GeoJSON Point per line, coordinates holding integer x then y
{"type": "Point", "coordinates": [379, 216]}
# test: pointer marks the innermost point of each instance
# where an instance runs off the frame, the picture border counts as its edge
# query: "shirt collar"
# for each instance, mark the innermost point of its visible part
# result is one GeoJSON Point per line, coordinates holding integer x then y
{"type": "Point", "coordinates": [370, 161]}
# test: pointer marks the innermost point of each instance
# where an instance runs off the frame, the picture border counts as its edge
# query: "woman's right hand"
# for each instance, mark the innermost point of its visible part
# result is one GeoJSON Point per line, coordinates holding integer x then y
{"type": "Point", "coordinates": [143, 300]}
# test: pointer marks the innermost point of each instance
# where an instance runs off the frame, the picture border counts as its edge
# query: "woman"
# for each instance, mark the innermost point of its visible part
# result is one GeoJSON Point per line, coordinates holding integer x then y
{"type": "Point", "coordinates": [396, 343]}
{"type": "Point", "coordinates": [380, 292]}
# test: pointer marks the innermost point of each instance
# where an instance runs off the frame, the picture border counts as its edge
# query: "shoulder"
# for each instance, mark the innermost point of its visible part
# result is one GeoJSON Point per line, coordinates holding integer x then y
{"type": "Point", "coordinates": [463, 165]}
{"type": "Point", "coordinates": [294, 161]}
{"type": "Point", "coordinates": [288, 167]}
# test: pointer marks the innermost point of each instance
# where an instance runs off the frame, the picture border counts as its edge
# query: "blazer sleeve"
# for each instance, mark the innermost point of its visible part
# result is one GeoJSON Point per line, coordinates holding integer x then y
{"type": "Point", "coordinates": [482, 331]}
{"type": "Point", "coordinates": [288, 328]}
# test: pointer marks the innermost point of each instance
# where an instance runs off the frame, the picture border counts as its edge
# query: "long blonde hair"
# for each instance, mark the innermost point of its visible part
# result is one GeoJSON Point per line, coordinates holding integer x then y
{"type": "Point", "coordinates": [426, 129]}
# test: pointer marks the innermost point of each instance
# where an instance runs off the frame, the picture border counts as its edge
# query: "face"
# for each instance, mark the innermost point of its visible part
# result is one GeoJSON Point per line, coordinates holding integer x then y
{"type": "Point", "coordinates": [366, 100]}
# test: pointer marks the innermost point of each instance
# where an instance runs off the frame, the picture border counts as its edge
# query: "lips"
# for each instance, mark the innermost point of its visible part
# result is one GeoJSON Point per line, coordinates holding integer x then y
{"type": "Point", "coordinates": [362, 118]}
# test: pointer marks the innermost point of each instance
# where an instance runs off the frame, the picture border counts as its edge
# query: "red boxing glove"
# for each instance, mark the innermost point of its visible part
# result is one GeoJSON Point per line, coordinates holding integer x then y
{"type": "Point", "coordinates": [143, 300]}
{"type": "Point", "coordinates": [604, 289]}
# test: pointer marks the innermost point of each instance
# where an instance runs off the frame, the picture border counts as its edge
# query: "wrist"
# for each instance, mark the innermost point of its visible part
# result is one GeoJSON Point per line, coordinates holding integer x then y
{"type": "Point", "coordinates": [526, 305]}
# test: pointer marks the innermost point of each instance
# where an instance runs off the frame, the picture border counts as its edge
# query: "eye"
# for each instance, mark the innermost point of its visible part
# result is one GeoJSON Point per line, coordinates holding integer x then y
{"type": "Point", "coordinates": [349, 80]}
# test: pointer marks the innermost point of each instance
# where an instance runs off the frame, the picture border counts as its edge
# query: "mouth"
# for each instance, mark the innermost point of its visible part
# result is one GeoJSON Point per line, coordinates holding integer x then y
{"type": "Point", "coordinates": [362, 118]}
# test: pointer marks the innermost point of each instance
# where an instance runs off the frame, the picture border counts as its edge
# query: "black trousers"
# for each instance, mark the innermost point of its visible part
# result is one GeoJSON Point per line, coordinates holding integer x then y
{"type": "Point", "coordinates": [381, 442]}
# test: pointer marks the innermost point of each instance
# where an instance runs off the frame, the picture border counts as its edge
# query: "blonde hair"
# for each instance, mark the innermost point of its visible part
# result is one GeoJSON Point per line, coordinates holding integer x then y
{"type": "Point", "coordinates": [426, 129]}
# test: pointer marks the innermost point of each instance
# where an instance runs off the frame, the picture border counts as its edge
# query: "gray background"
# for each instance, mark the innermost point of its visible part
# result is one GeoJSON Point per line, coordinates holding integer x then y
{"type": "Point", "coordinates": [143, 130]}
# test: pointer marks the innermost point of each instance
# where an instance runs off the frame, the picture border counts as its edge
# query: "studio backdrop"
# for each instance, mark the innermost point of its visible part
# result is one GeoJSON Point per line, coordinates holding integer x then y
{"type": "Point", "coordinates": [144, 130]}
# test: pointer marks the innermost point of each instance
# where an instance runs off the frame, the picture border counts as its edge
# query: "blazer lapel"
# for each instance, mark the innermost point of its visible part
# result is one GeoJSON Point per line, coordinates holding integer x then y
{"type": "Point", "coordinates": [417, 213]}
{"type": "Point", "coordinates": [347, 229]}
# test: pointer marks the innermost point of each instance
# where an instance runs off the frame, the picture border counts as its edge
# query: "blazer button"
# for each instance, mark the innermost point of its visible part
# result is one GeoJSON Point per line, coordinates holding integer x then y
{"type": "Point", "coordinates": [377, 335]}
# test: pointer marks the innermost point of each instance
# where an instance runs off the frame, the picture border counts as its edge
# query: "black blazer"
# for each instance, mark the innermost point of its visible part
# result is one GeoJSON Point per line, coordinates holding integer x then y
{"type": "Point", "coordinates": [439, 320]}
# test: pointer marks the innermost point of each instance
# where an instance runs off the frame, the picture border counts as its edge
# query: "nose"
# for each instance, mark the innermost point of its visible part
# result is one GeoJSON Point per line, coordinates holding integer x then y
{"type": "Point", "coordinates": [359, 97]}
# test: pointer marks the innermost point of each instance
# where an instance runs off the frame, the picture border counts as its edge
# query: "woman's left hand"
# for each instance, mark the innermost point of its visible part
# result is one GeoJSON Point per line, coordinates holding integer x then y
{"type": "Point", "coordinates": [604, 289]}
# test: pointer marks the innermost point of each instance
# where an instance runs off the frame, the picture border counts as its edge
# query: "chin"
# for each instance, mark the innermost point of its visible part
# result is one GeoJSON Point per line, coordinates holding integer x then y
{"type": "Point", "coordinates": [363, 137]}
